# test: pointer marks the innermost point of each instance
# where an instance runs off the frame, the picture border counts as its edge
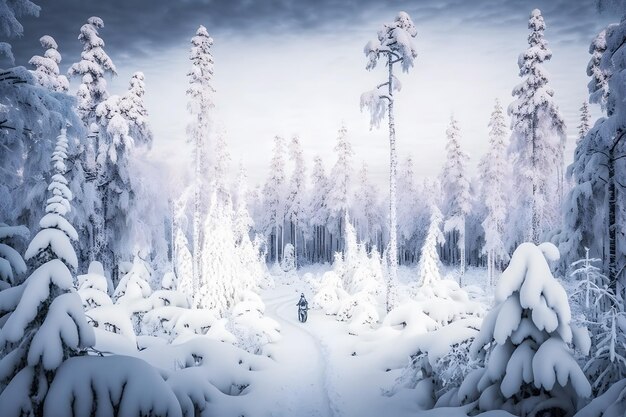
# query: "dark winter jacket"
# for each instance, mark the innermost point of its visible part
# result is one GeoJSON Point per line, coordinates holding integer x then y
{"type": "Point", "coordinates": [303, 303]}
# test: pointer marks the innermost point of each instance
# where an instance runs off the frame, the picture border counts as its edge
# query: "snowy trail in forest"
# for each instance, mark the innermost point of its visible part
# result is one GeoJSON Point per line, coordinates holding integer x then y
{"type": "Point", "coordinates": [301, 376]}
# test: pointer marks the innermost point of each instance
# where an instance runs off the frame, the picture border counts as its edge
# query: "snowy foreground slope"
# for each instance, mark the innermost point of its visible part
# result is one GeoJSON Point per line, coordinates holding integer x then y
{"type": "Point", "coordinates": [444, 351]}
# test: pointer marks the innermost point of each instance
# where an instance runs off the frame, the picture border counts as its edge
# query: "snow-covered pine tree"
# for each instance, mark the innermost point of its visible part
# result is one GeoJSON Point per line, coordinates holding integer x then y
{"type": "Point", "coordinates": [54, 240]}
{"type": "Point", "coordinates": [599, 84]}
{"type": "Point", "coordinates": [43, 319]}
{"type": "Point", "coordinates": [407, 211]}
{"type": "Point", "coordinates": [133, 108]}
{"type": "Point", "coordinates": [428, 267]}
{"type": "Point", "coordinates": [200, 105]}
{"type": "Point", "coordinates": [318, 209]}
{"type": "Point", "coordinates": [366, 210]}
{"type": "Point", "coordinates": [94, 65]}
{"type": "Point", "coordinates": [585, 120]}
{"type": "Point", "coordinates": [529, 367]}
{"type": "Point", "coordinates": [10, 27]}
{"type": "Point", "coordinates": [113, 184]}
{"type": "Point", "coordinates": [494, 171]}
{"type": "Point", "coordinates": [221, 163]}
{"type": "Point", "coordinates": [339, 189]}
{"type": "Point", "coordinates": [455, 187]}
{"type": "Point", "coordinates": [594, 207]}
{"type": "Point", "coordinates": [537, 142]}
{"type": "Point", "coordinates": [395, 43]}
{"type": "Point", "coordinates": [221, 282]}
{"type": "Point", "coordinates": [274, 203]}
{"type": "Point", "coordinates": [47, 66]}
{"type": "Point", "coordinates": [35, 170]}
{"type": "Point", "coordinates": [296, 196]}
{"type": "Point", "coordinates": [254, 269]}
{"type": "Point", "coordinates": [92, 68]}
{"type": "Point", "coordinates": [183, 260]}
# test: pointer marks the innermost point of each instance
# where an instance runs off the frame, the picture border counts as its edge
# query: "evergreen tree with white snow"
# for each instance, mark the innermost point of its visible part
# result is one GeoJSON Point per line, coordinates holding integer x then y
{"type": "Point", "coordinates": [537, 142]}
{"type": "Point", "coordinates": [529, 367]}
{"type": "Point", "coordinates": [337, 200]}
{"type": "Point", "coordinates": [94, 65]}
{"type": "Point", "coordinates": [296, 196]}
{"type": "Point", "coordinates": [133, 108]}
{"type": "Point", "coordinates": [274, 202]}
{"type": "Point", "coordinates": [428, 267]}
{"type": "Point", "coordinates": [455, 187]}
{"type": "Point", "coordinates": [200, 105]}
{"type": "Point", "coordinates": [47, 66]}
{"type": "Point", "coordinates": [318, 209]}
{"type": "Point", "coordinates": [43, 319]}
{"type": "Point", "coordinates": [585, 120]}
{"type": "Point", "coordinates": [494, 171]}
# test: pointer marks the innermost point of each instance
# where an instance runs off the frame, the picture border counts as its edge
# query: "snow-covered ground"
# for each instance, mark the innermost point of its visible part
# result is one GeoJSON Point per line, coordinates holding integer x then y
{"type": "Point", "coordinates": [323, 370]}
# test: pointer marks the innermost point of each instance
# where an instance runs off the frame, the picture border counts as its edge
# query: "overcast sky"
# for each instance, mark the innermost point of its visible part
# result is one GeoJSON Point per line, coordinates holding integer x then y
{"type": "Point", "coordinates": [297, 67]}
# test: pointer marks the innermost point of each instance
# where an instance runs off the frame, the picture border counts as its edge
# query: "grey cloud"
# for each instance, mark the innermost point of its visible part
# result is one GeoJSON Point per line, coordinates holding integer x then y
{"type": "Point", "coordinates": [138, 28]}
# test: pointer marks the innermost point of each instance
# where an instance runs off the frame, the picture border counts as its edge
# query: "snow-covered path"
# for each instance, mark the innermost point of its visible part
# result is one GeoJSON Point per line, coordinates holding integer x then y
{"type": "Point", "coordinates": [301, 379]}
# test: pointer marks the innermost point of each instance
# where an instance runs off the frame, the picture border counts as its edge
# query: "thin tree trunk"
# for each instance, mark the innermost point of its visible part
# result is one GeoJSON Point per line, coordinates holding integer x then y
{"type": "Point", "coordinates": [393, 249]}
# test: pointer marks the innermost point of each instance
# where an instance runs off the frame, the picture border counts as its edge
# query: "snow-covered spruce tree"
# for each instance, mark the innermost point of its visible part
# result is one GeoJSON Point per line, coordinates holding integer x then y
{"type": "Point", "coordinates": [366, 213]}
{"type": "Point", "coordinates": [222, 278]}
{"type": "Point", "coordinates": [585, 120]}
{"type": "Point", "coordinates": [200, 105]}
{"type": "Point", "coordinates": [35, 170]}
{"type": "Point", "coordinates": [537, 142]}
{"type": "Point", "coordinates": [253, 263]}
{"type": "Point", "coordinates": [274, 203]}
{"type": "Point", "coordinates": [455, 186]}
{"type": "Point", "coordinates": [594, 205]}
{"type": "Point", "coordinates": [296, 193]}
{"type": "Point", "coordinates": [599, 84]}
{"type": "Point", "coordinates": [337, 200]}
{"type": "Point", "coordinates": [428, 267]}
{"type": "Point", "coordinates": [585, 208]}
{"type": "Point", "coordinates": [318, 210]}
{"type": "Point", "coordinates": [221, 163]}
{"type": "Point", "coordinates": [133, 109]}
{"type": "Point", "coordinates": [395, 44]}
{"type": "Point", "coordinates": [113, 183]}
{"type": "Point", "coordinates": [53, 241]}
{"type": "Point", "coordinates": [493, 172]}
{"type": "Point", "coordinates": [407, 211]}
{"type": "Point", "coordinates": [43, 319]}
{"type": "Point", "coordinates": [183, 260]}
{"type": "Point", "coordinates": [529, 368]}
{"type": "Point", "coordinates": [12, 266]}
{"type": "Point", "coordinates": [47, 66]}
{"type": "Point", "coordinates": [92, 68]}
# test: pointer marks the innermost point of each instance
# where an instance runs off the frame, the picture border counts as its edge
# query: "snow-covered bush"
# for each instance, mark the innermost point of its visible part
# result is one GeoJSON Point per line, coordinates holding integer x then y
{"type": "Point", "coordinates": [440, 363]}
{"type": "Point", "coordinates": [252, 329]}
{"type": "Point", "coordinates": [107, 386]}
{"type": "Point", "coordinates": [12, 265]}
{"type": "Point", "coordinates": [607, 364]}
{"type": "Point", "coordinates": [330, 293]}
{"type": "Point", "coordinates": [93, 287]}
{"type": "Point", "coordinates": [444, 301]}
{"type": "Point", "coordinates": [529, 368]}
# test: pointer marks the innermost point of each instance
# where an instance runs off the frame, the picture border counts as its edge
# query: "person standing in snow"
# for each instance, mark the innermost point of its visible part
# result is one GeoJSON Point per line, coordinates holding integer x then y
{"type": "Point", "coordinates": [303, 306]}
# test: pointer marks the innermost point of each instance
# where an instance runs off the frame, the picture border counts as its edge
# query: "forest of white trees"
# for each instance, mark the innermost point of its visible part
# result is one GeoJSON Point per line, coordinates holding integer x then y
{"type": "Point", "coordinates": [95, 253]}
